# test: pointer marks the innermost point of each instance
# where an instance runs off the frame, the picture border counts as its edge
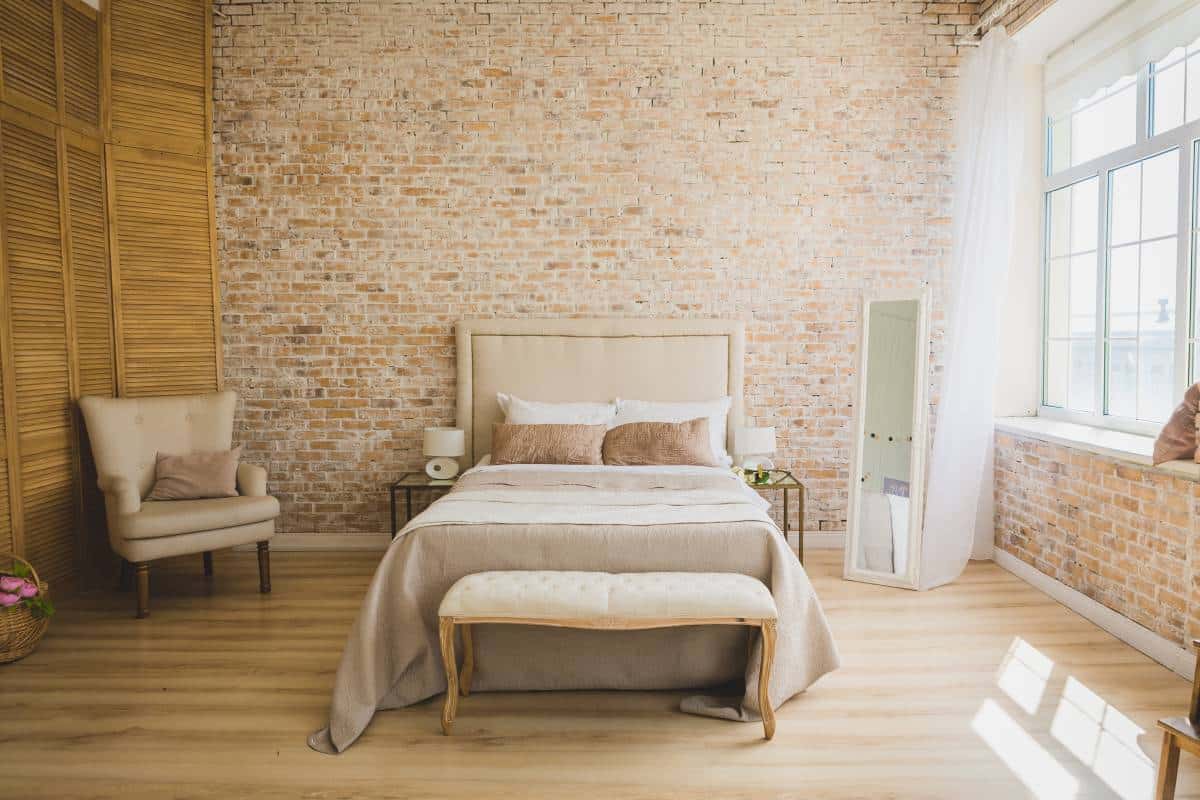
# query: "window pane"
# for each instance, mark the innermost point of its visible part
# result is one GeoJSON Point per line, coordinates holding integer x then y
{"type": "Point", "coordinates": [1083, 295]}
{"type": "Point", "coordinates": [1056, 373]}
{"type": "Point", "coordinates": [1059, 237]}
{"type": "Point", "coordinates": [1107, 125]}
{"type": "Point", "coordinates": [1168, 98]}
{"type": "Point", "coordinates": [1082, 390]}
{"type": "Point", "coordinates": [1122, 377]}
{"type": "Point", "coordinates": [1057, 294]}
{"type": "Point", "coordinates": [1085, 208]}
{"type": "Point", "coordinates": [1156, 376]}
{"type": "Point", "coordinates": [1060, 145]}
{"type": "Point", "coordinates": [1123, 291]}
{"type": "Point", "coordinates": [1193, 89]}
{"type": "Point", "coordinates": [1124, 197]}
{"type": "Point", "coordinates": [1157, 292]}
{"type": "Point", "coordinates": [1160, 195]}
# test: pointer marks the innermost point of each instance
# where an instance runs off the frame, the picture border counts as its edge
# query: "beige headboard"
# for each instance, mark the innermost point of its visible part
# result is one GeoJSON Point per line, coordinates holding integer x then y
{"type": "Point", "coordinates": [562, 360]}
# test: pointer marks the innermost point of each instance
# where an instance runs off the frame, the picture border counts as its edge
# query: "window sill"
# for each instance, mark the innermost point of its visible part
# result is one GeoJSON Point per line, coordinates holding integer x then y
{"type": "Point", "coordinates": [1116, 445]}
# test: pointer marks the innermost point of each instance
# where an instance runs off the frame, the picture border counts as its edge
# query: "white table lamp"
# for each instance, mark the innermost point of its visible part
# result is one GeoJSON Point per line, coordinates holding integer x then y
{"type": "Point", "coordinates": [444, 445]}
{"type": "Point", "coordinates": [753, 446]}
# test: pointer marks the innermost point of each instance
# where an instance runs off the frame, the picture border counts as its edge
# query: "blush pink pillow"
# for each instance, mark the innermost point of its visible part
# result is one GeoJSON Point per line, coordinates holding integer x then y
{"type": "Point", "coordinates": [196, 476]}
{"type": "Point", "coordinates": [1177, 439]}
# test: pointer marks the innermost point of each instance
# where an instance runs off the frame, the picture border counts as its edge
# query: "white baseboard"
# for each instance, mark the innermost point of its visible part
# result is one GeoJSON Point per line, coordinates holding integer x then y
{"type": "Point", "coordinates": [824, 541]}
{"type": "Point", "coordinates": [1164, 651]}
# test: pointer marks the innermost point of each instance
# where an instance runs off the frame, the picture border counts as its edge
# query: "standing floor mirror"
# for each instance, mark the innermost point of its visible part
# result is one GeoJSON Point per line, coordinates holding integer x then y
{"type": "Point", "coordinates": [887, 475]}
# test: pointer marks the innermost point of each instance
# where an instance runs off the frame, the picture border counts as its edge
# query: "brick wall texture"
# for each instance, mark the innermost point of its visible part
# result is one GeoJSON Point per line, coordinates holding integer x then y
{"type": "Point", "coordinates": [384, 169]}
{"type": "Point", "coordinates": [1016, 16]}
{"type": "Point", "coordinates": [1123, 535]}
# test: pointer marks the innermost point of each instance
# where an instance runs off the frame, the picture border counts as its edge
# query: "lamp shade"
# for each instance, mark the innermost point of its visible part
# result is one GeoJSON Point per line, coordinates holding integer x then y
{"type": "Point", "coordinates": [754, 441]}
{"type": "Point", "coordinates": [444, 442]}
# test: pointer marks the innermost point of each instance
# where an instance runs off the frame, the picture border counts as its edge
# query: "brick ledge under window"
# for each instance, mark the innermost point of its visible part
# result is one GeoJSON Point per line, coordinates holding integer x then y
{"type": "Point", "coordinates": [1116, 445]}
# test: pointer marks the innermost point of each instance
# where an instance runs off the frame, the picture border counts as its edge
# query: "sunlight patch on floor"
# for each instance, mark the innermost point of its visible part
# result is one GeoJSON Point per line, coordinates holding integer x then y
{"type": "Point", "coordinates": [1099, 737]}
{"type": "Point", "coordinates": [1023, 675]}
{"type": "Point", "coordinates": [1104, 740]}
{"type": "Point", "coordinates": [1021, 753]}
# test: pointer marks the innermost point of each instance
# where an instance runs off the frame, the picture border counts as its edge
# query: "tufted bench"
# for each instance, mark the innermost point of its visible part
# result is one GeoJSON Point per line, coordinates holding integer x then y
{"type": "Point", "coordinates": [606, 601]}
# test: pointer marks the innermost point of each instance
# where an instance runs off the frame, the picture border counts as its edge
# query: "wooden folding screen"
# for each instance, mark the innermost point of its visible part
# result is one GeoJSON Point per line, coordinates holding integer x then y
{"type": "Point", "coordinates": [108, 280]}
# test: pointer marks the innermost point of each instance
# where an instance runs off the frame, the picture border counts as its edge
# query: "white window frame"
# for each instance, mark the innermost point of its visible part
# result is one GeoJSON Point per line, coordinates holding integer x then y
{"type": "Point", "coordinates": [1185, 138]}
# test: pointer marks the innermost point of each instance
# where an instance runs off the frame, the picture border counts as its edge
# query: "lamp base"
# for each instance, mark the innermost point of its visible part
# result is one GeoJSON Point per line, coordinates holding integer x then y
{"type": "Point", "coordinates": [442, 468]}
{"type": "Point", "coordinates": [757, 462]}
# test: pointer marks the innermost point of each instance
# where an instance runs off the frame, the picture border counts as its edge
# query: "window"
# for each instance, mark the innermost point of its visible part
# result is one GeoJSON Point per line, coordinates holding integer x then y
{"type": "Point", "coordinates": [1121, 237]}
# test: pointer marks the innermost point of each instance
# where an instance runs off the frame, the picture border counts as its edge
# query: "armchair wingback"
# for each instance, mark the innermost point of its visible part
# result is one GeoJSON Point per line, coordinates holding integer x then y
{"type": "Point", "coordinates": [126, 435]}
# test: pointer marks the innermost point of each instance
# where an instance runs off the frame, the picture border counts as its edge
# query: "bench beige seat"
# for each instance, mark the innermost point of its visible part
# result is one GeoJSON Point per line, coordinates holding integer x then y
{"type": "Point", "coordinates": [604, 601]}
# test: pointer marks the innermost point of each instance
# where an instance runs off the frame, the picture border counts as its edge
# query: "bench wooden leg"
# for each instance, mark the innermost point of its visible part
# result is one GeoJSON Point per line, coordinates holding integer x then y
{"type": "Point", "coordinates": [1168, 768]}
{"type": "Point", "coordinates": [764, 678]}
{"type": "Point", "coordinates": [446, 634]}
{"type": "Point", "coordinates": [464, 684]}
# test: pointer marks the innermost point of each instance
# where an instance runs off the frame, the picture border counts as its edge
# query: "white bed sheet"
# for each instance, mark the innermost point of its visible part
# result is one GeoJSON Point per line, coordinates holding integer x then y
{"type": "Point", "coordinates": [485, 465]}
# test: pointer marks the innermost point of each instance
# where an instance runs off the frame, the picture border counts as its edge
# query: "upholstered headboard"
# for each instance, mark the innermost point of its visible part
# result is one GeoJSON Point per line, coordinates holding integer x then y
{"type": "Point", "coordinates": [562, 360]}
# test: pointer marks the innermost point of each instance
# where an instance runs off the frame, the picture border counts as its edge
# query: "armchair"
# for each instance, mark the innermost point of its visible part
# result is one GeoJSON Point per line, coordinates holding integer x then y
{"type": "Point", "coordinates": [126, 435]}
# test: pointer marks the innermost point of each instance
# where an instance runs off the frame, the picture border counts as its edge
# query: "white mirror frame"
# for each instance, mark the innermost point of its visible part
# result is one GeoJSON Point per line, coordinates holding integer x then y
{"type": "Point", "coordinates": [920, 435]}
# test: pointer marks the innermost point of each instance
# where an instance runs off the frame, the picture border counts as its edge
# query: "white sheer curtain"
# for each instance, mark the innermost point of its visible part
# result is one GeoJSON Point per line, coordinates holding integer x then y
{"type": "Point", "coordinates": [987, 167]}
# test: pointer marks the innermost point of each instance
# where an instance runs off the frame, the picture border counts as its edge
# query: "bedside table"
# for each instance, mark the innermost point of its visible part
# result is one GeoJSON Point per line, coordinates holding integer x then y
{"type": "Point", "coordinates": [784, 481]}
{"type": "Point", "coordinates": [418, 481]}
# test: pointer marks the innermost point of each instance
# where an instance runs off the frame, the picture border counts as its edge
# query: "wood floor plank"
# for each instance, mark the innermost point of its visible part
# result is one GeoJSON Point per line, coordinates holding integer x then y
{"type": "Point", "coordinates": [984, 689]}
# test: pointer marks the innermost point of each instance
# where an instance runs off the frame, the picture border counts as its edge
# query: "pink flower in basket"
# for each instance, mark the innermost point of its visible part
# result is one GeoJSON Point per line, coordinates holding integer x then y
{"type": "Point", "coordinates": [28, 589]}
{"type": "Point", "coordinates": [9, 599]}
{"type": "Point", "coordinates": [10, 583]}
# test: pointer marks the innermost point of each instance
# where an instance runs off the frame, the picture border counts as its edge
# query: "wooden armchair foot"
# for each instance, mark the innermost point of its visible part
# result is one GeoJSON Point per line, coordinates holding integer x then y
{"type": "Point", "coordinates": [142, 569]}
{"type": "Point", "coordinates": [264, 567]}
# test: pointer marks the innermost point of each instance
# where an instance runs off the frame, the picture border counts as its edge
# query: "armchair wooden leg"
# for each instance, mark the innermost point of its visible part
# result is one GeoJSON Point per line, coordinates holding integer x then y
{"type": "Point", "coordinates": [208, 564]}
{"type": "Point", "coordinates": [142, 568]}
{"type": "Point", "coordinates": [264, 567]}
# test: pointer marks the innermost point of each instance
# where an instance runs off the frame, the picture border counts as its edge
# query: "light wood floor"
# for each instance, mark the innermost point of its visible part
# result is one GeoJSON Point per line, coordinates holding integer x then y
{"type": "Point", "coordinates": [985, 689]}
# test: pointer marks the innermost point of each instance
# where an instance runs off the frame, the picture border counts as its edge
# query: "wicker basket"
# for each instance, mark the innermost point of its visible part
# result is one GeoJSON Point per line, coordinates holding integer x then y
{"type": "Point", "coordinates": [20, 630]}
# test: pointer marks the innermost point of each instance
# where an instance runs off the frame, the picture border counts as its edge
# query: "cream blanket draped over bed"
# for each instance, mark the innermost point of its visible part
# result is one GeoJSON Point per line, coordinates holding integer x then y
{"type": "Point", "coordinates": [606, 519]}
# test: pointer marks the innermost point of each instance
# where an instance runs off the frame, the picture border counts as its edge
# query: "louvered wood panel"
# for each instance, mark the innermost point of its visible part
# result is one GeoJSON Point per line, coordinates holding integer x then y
{"type": "Point", "coordinates": [81, 65]}
{"type": "Point", "coordinates": [39, 327]}
{"type": "Point", "coordinates": [164, 273]}
{"type": "Point", "coordinates": [92, 296]}
{"type": "Point", "coordinates": [89, 270]}
{"type": "Point", "coordinates": [27, 55]}
{"type": "Point", "coordinates": [7, 539]}
{"type": "Point", "coordinates": [160, 74]}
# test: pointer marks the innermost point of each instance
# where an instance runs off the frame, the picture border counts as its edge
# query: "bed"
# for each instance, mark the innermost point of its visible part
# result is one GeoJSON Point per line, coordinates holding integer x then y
{"type": "Point", "coordinates": [612, 519]}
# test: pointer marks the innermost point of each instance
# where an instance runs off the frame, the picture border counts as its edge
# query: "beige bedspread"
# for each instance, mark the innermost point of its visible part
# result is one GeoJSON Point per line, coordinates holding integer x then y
{"type": "Point", "coordinates": [606, 519]}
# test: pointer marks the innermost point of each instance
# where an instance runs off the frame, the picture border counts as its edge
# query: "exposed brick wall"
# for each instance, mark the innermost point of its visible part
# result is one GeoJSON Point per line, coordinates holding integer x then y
{"type": "Point", "coordinates": [1018, 16]}
{"type": "Point", "coordinates": [1123, 535]}
{"type": "Point", "coordinates": [384, 169]}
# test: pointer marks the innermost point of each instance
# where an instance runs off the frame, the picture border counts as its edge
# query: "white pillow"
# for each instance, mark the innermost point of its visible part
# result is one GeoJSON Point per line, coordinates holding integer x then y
{"type": "Point", "coordinates": [717, 412]}
{"type": "Point", "coordinates": [531, 412]}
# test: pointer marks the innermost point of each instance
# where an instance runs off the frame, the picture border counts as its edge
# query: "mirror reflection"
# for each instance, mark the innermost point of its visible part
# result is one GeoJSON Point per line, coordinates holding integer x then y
{"type": "Point", "coordinates": [886, 463]}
